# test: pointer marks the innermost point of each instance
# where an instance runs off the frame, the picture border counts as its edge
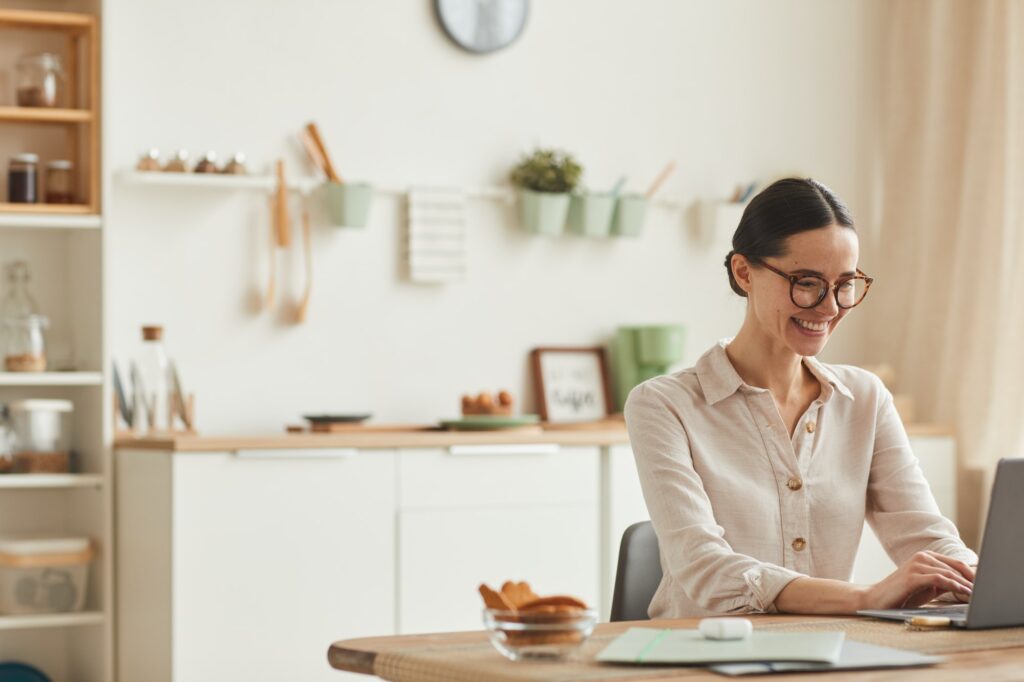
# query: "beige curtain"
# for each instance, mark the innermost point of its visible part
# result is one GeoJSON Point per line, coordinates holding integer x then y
{"type": "Point", "coordinates": [950, 242]}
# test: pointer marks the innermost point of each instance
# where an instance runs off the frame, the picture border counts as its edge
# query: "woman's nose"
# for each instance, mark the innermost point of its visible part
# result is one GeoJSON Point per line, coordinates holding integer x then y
{"type": "Point", "coordinates": [828, 304]}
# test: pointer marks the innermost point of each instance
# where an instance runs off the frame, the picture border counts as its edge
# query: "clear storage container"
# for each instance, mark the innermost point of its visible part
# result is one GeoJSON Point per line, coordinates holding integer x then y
{"type": "Point", "coordinates": [43, 575]}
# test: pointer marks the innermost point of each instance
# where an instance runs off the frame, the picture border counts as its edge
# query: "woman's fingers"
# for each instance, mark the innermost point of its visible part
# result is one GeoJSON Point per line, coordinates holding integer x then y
{"type": "Point", "coordinates": [944, 582]}
{"type": "Point", "coordinates": [952, 568]}
{"type": "Point", "coordinates": [961, 567]}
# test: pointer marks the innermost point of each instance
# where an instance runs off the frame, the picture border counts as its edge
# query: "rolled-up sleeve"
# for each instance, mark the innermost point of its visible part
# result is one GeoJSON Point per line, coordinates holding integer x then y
{"type": "Point", "coordinates": [694, 551]}
{"type": "Point", "coordinates": [900, 506]}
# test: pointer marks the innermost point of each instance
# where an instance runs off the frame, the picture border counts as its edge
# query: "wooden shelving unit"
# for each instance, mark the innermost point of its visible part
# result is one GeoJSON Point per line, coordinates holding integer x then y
{"type": "Point", "coordinates": [67, 267]}
{"type": "Point", "coordinates": [81, 117]}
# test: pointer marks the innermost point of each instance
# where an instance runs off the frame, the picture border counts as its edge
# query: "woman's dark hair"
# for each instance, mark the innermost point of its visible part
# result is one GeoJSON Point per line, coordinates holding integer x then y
{"type": "Point", "coordinates": [784, 208]}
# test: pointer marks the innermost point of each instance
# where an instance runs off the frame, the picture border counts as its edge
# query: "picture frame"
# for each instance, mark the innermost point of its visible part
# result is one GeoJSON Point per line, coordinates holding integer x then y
{"type": "Point", "coordinates": [571, 384]}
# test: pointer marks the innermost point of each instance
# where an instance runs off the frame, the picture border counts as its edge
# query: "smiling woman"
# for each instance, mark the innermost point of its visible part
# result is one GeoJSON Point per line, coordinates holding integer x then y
{"type": "Point", "coordinates": [760, 464]}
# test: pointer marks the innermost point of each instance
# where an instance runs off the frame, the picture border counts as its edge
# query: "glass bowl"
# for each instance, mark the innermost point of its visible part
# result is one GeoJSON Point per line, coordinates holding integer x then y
{"type": "Point", "coordinates": [536, 635]}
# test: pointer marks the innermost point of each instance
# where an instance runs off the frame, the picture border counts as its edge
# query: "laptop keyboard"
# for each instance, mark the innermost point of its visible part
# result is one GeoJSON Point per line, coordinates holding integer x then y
{"type": "Point", "coordinates": [949, 611]}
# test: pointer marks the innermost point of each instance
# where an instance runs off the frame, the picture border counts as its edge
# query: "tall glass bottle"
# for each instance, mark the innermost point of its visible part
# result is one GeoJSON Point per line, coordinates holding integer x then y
{"type": "Point", "coordinates": [21, 326]}
{"type": "Point", "coordinates": [154, 368]}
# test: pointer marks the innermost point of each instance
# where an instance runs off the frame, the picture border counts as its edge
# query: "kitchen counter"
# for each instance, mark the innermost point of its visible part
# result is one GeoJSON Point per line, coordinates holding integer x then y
{"type": "Point", "coordinates": [405, 438]}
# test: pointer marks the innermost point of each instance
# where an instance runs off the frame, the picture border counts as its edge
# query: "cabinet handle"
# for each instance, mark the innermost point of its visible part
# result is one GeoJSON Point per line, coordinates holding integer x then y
{"type": "Point", "coordinates": [299, 453]}
{"type": "Point", "coordinates": [531, 449]}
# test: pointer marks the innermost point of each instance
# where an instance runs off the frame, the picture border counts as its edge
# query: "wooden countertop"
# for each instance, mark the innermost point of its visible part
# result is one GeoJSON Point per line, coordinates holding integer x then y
{"type": "Point", "coordinates": [374, 439]}
{"type": "Point", "coordinates": [425, 438]}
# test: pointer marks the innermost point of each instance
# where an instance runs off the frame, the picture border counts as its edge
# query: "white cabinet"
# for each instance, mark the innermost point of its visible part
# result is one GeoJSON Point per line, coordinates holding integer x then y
{"type": "Point", "coordinates": [472, 514]}
{"type": "Point", "coordinates": [247, 565]}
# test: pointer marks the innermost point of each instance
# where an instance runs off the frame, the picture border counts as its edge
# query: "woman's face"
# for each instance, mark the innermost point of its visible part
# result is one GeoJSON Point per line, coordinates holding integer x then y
{"type": "Point", "coordinates": [830, 252]}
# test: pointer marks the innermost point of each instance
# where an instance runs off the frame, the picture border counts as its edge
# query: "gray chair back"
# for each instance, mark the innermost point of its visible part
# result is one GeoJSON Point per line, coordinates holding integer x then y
{"type": "Point", "coordinates": [638, 574]}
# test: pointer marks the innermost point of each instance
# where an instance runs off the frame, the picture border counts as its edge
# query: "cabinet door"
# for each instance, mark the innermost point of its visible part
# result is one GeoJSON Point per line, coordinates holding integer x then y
{"type": "Point", "coordinates": [493, 513]}
{"type": "Point", "coordinates": [938, 464]}
{"type": "Point", "coordinates": [446, 553]}
{"type": "Point", "coordinates": [276, 555]}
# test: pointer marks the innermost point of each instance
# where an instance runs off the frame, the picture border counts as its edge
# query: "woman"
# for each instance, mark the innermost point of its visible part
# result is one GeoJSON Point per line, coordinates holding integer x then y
{"type": "Point", "coordinates": [760, 464]}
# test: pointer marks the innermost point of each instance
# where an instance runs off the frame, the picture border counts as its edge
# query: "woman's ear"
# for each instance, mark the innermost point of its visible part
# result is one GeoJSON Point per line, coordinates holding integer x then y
{"type": "Point", "coordinates": [741, 272]}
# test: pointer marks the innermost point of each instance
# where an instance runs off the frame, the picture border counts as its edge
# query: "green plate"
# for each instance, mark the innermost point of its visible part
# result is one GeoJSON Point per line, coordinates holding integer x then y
{"type": "Point", "coordinates": [484, 422]}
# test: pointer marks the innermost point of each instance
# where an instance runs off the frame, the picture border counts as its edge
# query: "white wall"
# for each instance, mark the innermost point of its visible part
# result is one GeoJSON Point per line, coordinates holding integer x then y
{"type": "Point", "coordinates": [730, 90]}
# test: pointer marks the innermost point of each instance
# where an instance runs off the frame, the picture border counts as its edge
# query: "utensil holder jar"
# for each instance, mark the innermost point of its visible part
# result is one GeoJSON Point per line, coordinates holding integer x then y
{"type": "Point", "coordinates": [590, 214]}
{"type": "Point", "coordinates": [348, 203]}
{"type": "Point", "coordinates": [630, 212]}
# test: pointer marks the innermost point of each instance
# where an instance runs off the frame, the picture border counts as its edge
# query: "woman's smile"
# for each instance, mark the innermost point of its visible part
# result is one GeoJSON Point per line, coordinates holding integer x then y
{"type": "Point", "coordinates": [809, 328]}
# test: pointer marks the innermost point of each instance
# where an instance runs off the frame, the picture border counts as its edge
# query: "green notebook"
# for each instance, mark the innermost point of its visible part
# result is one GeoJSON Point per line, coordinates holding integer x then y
{"type": "Point", "coordinates": [689, 647]}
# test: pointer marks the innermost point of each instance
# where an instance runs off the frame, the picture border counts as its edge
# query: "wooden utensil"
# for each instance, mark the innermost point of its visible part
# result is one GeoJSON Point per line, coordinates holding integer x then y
{"type": "Point", "coordinates": [662, 177]}
{"type": "Point", "coordinates": [307, 244]}
{"type": "Point", "coordinates": [318, 141]}
{"type": "Point", "coordinates": [282, 221]}
{"type": "Point", "coordinates": [268, 302]}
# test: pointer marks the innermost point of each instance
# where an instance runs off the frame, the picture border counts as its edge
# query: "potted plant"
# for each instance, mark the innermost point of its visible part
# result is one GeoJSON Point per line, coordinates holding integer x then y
{"type": "Point", "coordinates": [545, 178]}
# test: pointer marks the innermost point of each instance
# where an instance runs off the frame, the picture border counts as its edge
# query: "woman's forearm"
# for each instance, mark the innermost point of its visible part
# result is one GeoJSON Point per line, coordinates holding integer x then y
{"type": "Point", "coordinates": [820, 595]}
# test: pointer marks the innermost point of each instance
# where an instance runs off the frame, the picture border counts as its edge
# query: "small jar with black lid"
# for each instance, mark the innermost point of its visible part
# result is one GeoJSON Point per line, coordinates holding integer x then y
{"type": "Point", "coordinates": [23, 179]}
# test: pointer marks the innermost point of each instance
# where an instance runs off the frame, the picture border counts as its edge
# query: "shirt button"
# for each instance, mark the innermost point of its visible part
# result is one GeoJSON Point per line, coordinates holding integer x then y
{"type": "Point", "coordinates": [799, 544]}
{"type": "Point", "coordinates": [810, 427]}
{"type": "Point", "coordinates": [794, 483]}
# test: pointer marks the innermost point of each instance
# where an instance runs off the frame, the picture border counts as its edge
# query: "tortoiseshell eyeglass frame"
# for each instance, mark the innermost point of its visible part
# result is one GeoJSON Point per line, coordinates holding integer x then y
{"type": "Point", "coordinates": [834, 288]}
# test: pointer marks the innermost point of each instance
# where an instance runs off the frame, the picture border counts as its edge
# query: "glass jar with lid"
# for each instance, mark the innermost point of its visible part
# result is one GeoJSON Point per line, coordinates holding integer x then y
{"type": "Point", "coordinates": [40, 435]}
{"type": "Point", "coordinates": [40, 80]}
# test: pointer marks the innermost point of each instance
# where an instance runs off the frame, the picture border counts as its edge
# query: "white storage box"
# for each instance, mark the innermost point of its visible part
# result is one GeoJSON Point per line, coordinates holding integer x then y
{"type": "Point", "coordinates": [43, 575]}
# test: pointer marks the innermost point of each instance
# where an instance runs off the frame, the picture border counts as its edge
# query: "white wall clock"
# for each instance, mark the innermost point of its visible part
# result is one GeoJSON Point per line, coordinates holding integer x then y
{"type": "Point", "coordinates": [482, 26]}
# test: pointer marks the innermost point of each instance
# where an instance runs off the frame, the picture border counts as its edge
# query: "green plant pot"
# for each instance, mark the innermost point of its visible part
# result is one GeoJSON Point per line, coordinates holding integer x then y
{"type": "Point", "coordinates": [348, 203]}
{"type": "Point", "coordinates": [630, 211]}
{"type": "Point", "coordinates": [543, 212]}
{"type": "Point", "coordinates": [590, 214]}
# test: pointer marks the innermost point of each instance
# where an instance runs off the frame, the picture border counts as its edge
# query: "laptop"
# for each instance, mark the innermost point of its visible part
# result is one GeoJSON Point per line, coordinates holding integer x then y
{"type": "Point", "coordinates": [998, 596]}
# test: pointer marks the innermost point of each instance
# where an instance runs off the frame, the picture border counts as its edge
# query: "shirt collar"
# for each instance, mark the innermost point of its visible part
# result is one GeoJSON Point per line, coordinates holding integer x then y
{"type": "Point", "coordinates": [719, 379]}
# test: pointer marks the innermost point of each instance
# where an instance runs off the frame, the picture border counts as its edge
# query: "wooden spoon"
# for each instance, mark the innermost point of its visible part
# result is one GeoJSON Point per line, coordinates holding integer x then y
{"type": "Point", "coordinates": [282, 222]}
{"type": "Point", "coordinates": [314, 134]}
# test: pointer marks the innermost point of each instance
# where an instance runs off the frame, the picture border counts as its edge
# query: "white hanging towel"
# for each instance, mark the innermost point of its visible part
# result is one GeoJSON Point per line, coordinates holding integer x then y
{"type": "Point", "coordinates": [436, 240]}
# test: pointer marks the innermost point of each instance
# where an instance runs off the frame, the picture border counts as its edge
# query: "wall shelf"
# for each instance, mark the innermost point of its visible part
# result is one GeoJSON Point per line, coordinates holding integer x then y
{"type": "Point", "coordinates": [51, 378]}
{"type": "Point", "coordinates": [307, 185]}
{"type": "Point", "coordinates": [45, 115]}
{"type": "Point", "coordinates": [51, 620]}
{"type": "Point", "coordinates": [220, 181]}
{"type": "Point", "coordinates": [50, 221]}
{"type": "Point", "coordinates": [36, 481]}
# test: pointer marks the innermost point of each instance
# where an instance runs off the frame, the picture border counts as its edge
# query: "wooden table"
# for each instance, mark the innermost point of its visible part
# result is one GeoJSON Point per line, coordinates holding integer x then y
{"type": "Point", "coordinates": [990, 665]}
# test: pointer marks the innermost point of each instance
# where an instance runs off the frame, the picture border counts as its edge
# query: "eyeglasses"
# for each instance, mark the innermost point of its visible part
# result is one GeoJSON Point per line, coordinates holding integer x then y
{"type": "Point", "coordinates": [807, 291]}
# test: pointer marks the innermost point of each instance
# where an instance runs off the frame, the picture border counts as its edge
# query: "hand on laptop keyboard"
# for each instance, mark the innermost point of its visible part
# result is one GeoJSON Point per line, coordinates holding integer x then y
{"type": "Point", "coordinates": [922, 578]}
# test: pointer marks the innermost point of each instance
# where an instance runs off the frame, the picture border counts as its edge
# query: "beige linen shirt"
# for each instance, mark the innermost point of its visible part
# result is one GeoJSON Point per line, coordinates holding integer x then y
{"type": "Point", "coordinates": [741, 509]}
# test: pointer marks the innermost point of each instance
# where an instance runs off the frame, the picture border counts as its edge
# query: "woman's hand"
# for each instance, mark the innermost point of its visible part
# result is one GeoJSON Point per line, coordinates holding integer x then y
{"type": "Point", "coordinates": [922, 578]}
